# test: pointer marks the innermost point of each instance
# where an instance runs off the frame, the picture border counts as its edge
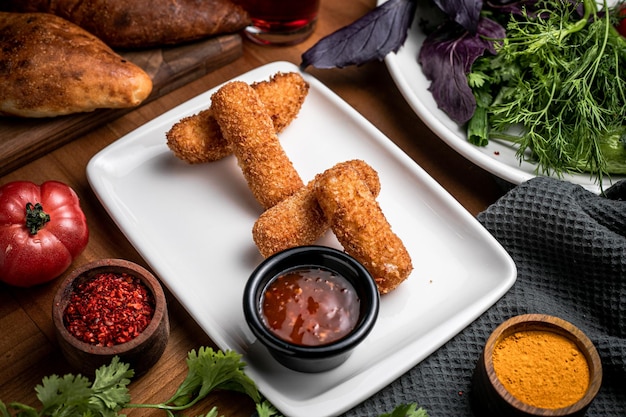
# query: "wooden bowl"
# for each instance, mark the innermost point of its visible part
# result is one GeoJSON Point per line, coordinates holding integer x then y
{"type": "Point", "coordinates": [491, 398]}
{"type": "Point", "coordinates": [141, 352]}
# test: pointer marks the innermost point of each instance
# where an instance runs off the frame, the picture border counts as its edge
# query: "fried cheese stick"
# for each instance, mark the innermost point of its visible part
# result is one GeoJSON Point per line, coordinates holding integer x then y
{"type": "Point", "coordinates": [361, 227]}
{"type": "Point", "coordinates": [248, 128]}
{"type": "Point", "coordinates": [197, 138]}
{"type": "Point", "coordinates": [298, 220]}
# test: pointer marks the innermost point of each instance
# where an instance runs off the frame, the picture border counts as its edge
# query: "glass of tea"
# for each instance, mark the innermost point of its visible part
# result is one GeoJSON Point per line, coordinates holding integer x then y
{"type": "Point", "coordinates": [280, 22]}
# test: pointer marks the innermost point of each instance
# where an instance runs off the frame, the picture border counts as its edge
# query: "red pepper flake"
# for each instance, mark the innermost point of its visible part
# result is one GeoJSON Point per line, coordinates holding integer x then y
{"type": "Point", "coordinates": [109, 309]}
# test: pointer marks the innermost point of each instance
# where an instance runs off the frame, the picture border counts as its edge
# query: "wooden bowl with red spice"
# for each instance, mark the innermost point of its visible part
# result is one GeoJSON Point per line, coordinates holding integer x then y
{"type": "Point", "coordinates": [107, 308]}
{"type": "Point", "coordinates": [536, 365]}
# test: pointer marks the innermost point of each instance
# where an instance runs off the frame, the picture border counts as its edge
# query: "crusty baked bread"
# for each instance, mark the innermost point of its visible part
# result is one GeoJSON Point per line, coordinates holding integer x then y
{"type": "Point", "coordinates": [143, 23]}
{"type": "Point", "coordinates": [51, 67]}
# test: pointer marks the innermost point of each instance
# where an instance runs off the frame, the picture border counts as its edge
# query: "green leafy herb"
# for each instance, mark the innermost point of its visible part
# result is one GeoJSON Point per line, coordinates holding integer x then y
{"type": "Point", "coordinates": [208, 370]}
{"type": "Point", "coordinates": [407, 410]}
{"type": "Point", "coordinates": [71, 396]}
{"type": "Point", "coordinates": [75, 396]}
{"type": "Point", "coordinates": [560, 77]}
{"type": "Point", "coordinates": [265, 409]}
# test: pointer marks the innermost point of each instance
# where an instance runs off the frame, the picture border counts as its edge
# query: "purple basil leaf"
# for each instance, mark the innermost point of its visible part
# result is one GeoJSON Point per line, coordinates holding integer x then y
{"type": "Point", "coordinates": [521, 7]}
{"type": "Point", "coordinates": [373, 36]}
{"type": "Point", "coordinates": [446, 58]}
{"type": "Point", "coordinates": [464, 12]}
{"type": "Point", "coordinates": [517, 8]}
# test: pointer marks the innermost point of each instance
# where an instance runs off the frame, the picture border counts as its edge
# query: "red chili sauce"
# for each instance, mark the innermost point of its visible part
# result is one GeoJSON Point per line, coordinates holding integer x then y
{"type": "Point", "coordinates": [109, 309]}
{"type": "Point", "coordinates": [310, 307]}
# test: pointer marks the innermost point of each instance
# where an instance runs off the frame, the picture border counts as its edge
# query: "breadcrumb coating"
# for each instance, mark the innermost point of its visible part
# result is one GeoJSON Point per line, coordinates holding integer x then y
{"type": "Point", "coordinates": [361, 227]}
{"type": "Point", "coordinates": [246, 125]}
{"type": "Point", "coordinates": [198, 139]}
{"type": "Point", "coordinates": [298, 220]}
{"type": "Point", "coordinates": [283, 96]}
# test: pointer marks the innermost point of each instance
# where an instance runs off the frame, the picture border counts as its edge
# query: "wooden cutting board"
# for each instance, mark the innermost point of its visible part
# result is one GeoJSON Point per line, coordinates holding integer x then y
{"type": "Point", "coordinates": [23, 140]}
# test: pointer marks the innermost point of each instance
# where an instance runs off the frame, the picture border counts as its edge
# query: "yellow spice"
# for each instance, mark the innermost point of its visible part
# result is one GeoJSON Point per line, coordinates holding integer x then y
{"type": "Point", "coordinates": [541, 368]}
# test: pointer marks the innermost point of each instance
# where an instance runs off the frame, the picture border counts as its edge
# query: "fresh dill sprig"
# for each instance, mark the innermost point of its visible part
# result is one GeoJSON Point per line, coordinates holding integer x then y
{"type": "Point", "coordinates": [561, 78]}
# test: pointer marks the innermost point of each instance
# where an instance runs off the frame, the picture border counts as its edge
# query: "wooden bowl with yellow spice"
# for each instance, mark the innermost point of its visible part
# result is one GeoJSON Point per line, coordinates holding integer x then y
{"type": "Point", "coordinates": [536, 365]}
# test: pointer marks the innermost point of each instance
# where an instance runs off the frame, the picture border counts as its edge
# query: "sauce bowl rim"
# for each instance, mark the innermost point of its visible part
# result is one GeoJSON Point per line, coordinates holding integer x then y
{"type": "Point", "coordinates": [283, 261]}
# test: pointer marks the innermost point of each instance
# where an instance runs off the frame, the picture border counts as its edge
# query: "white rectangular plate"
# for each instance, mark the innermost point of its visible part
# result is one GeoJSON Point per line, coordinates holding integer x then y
{"type": "Point", "coordinates": [192, 224]}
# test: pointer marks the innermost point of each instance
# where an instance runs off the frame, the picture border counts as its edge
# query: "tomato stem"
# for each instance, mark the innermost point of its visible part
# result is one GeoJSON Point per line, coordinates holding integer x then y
{"type": "Point", "coordinates": [36, 218]}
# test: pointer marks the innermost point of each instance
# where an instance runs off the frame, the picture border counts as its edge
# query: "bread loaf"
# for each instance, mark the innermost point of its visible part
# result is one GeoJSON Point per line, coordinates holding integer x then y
{"type": "Point", "coordinates": [143, 23]}
{"type": "Point", "coordinates": [51, 67]}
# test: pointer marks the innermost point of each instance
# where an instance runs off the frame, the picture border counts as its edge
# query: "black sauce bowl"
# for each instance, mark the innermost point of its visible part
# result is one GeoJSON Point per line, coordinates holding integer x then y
{"type": "Point", "coordinates": [311, 358]}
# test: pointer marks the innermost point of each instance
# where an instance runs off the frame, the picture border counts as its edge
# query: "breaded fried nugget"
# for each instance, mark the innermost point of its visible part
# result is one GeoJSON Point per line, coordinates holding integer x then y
{"type": "Point", "coordinates": [249, 130]}
{"type": "Point", "coordinates": [197, 138]}
{"type": "Point", "coordinates": [298, 220]}
{"type": "Point", "coordinates": [361, 227]}
{"type": "Point", "coordinates": [283, 96]}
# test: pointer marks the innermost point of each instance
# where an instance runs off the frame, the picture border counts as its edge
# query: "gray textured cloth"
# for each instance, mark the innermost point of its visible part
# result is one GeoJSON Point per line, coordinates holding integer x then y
{"type": "Point", "coordinates": [569, 246]}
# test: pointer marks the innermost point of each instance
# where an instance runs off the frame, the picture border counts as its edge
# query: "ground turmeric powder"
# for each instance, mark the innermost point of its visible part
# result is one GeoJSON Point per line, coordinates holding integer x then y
{"type": "Point", "coordinates": [541, 368]}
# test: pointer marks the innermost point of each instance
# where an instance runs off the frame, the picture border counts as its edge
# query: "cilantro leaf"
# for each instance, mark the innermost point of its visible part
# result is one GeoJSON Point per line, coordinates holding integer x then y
{"type": "Point", "coordinates": [407, 410]}
{"type": "Point", "coordinates": [60, 395]}
{"type": "Point", "coordinates": [209, 370]}
{"type": "Point", "coordinates": [266, 409]}
{"type": "Point", "coordinates": [110, 390]}
{"type": "Point", "coordinates": [73, 395]}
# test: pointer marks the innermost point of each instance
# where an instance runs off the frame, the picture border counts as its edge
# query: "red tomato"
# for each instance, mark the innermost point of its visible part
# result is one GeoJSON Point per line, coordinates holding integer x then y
{"type": "Point", "coordinates": [42, 230]}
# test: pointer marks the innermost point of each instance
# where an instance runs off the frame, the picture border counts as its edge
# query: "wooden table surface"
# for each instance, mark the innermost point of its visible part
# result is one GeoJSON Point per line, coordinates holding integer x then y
{"type": "Point", "coordinates": [28, 350]}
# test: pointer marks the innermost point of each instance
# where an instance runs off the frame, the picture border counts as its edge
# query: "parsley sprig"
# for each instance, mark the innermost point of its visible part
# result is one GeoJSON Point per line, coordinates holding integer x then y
{"type": "Point", "coordinates": [208, 370]}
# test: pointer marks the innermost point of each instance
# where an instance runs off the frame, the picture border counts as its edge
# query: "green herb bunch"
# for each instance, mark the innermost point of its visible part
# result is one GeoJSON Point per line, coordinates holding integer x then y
{"type": "Point", "coordinates": [108, 394]}
{"type": "Point", "coordinates": [561, 80]}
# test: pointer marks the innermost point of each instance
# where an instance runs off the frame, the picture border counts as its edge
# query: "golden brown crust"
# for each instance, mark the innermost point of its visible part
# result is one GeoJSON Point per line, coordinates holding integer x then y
{"type": "Point", "coordinates": [249, 130]}
{"type": "Point", "coordinates": [298, 220]}
{"type": "Point", "coordinates": [51, 67]}
{"type": "Point", "coordinates": [197, 138]}
{"type": "Point", "coordinates": [144, 23]}
{"type": "Point", "coordinates": [361, 227]}
{"type": "Point", "coordinates": [282, 96]}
